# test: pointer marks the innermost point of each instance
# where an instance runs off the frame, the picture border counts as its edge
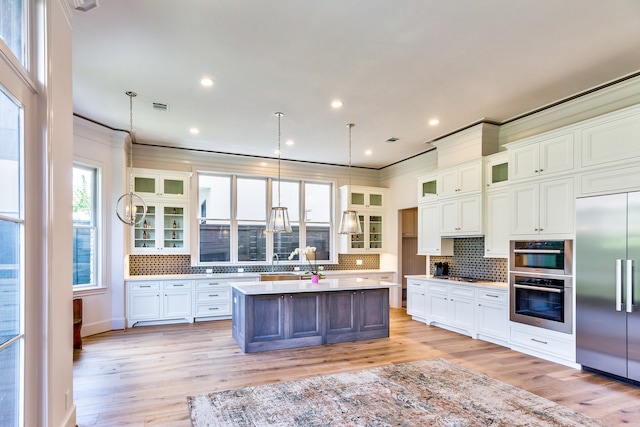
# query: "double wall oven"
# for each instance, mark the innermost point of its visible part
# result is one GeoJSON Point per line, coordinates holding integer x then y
{"type": "Point", "coordinates": [541, 284]}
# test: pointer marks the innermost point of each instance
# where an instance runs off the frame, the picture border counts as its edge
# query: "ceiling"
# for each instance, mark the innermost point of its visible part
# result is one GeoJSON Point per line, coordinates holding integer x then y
{"type": "Point", "coordinates": [394, 64]}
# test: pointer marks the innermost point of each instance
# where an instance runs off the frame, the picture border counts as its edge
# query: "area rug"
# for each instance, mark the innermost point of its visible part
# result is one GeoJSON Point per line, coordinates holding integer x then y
{"type": "Point", "coordinates": [423, 393]}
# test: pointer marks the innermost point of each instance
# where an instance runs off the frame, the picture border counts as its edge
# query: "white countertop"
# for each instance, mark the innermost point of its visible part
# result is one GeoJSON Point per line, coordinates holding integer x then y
{"type": "Point", "coordinates": [248, 276]}
{"type": "Point", "coordinates": [501, 285]}
{"type": "Point", "coordinates": [297, 286]}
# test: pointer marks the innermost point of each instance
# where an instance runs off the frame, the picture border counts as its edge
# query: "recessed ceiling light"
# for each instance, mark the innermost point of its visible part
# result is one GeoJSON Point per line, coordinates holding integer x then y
{"type": "Point", "coordinates": [433, 122]}
{"type": "Point", "coordinates": [368, 153]}
{"type": "Point", "coordinates": [289, 142]}
{"type": "Point", "coordinates": [194, 131]}
{"type": "Point", "coordinates": [206, 82]}
{"type": "Point", "coordinates": [336, 103]}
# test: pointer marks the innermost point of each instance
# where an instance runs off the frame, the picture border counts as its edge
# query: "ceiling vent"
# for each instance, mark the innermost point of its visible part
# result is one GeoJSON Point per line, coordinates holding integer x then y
{"type": "Point", "coordinates": [390, 140]}
{"type": "Point", "coordinates": [159, 106]}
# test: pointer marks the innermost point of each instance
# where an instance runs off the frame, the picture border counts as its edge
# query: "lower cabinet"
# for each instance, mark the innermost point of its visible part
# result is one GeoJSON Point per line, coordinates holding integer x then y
{"type": "Point", "coordinates": [543, 343]}
{"type": "Point", "coordinates": [280, 321]}
{"type": "Point", "coordinates": [472, 309]}
{"type": "Point", "coordinates": [157, 301]}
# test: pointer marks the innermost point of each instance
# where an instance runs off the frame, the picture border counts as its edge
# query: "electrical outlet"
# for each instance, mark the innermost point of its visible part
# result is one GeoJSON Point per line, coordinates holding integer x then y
{"type": "Point", "coordinates": [241, 270]}
{"type": "Point", "coordinates": [296, 268]}
{"type": "Point", "coordinates": [358, 262]}
{"type": "Point", "coordinates": [321, 267]}
{"type": "Point", "coordinates": [209, 270]}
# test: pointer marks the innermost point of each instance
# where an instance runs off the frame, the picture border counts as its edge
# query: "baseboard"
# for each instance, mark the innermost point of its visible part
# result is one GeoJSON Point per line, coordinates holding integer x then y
{"type": "Point", "coordinates": [70, 419]}
{"type": "Point", "coordinates": [103, 326]}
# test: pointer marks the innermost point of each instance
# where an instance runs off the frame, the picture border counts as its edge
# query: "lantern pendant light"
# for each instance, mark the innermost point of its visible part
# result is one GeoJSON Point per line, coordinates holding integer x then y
{"type": "Point", "coordinates": [130, 207]}
{"type": "Point", "coordinates": [279, 218]}
{"type": "Point", "coordinates": [350, 224]}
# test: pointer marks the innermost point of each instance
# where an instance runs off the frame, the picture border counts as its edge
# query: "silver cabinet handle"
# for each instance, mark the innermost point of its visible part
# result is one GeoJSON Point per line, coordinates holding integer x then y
{"type": "Point", "coordinates": [618, 285]}
{"type": "Point", "coordinates": [540, 341]}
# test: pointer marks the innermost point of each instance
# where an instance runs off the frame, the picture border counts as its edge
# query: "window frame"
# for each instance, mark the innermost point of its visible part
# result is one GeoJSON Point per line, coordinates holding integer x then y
{"type": "Point", "coordinates": [271, 200]}
{"type": "Point", "coordinates": [99, 251]}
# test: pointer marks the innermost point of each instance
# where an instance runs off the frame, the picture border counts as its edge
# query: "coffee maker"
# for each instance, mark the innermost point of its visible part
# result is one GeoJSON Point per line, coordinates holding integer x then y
{"type": "Point", "coordinates": [441, 269]}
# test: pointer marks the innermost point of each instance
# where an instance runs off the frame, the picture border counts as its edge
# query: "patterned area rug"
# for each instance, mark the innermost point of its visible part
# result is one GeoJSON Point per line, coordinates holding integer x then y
{"type": "Point", "coordinates": [423, 393]}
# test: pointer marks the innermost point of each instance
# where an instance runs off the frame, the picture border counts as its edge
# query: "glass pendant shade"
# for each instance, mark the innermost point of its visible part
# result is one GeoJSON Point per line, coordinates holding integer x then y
{"type": "Point", "coordinates": [279, 220]}
{"type": "Point", "coordinates": [349, 224]}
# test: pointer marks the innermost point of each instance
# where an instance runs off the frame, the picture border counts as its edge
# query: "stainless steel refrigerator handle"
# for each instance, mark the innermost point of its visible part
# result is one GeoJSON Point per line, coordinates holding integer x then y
{"type": "Point", "coordinates": [537, 251]}
{"type": "Point", "coordinates": [618, 285]}
{"type": "Point", "coordinates": [538, 288]}
{"type": "Point", "coordinates": [629, 286]}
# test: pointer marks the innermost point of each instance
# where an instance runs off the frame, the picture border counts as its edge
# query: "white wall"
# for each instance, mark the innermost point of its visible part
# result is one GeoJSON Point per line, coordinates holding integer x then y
{"type": "Point", "coordinates": [94, 145]}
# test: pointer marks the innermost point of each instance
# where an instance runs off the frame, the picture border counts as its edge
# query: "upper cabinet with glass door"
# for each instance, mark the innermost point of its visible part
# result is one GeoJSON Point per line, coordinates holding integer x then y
{"type": "Point", "coordinates": [157, 184]}
{"type": "Point", "coordinates": [356, 198]}
{"type": "Point", "coordinates": [163, 230]}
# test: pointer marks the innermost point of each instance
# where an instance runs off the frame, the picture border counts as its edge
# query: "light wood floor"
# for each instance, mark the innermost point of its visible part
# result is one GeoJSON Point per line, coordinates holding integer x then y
{"type": "Point", "coordinates": [140, 376]}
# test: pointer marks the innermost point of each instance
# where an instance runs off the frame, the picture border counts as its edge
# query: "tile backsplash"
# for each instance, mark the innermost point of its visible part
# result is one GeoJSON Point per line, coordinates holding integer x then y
{"type": "Point", "coordinates": [181, 264]}
{"type": "Point", "coordinates": [468, 261]}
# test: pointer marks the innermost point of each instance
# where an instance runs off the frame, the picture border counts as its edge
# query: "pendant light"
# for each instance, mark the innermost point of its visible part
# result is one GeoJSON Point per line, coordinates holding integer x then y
{"type": "Point", "coordinates": [129, 203]}
{"type": "Point", "coordinates": [350, 224]}
{"type": "Point", "coordinates": [279, 218]}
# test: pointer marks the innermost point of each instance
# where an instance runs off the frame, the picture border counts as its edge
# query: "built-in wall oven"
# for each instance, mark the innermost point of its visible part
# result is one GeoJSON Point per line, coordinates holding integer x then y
{"type": "Point", "coordinates": [541, 284]}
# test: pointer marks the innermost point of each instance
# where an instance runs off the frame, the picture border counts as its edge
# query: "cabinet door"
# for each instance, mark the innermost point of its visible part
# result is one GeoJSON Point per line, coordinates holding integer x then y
{"type": "Point", "coordinates": [415, 299]}
{"type": "Point", "coordinates": [373, 310]}
{"type": "Point", "coordinates": [427, 188]}
{"type": "Point", "coordinates": [524, 200]}
{"type": "Point", "coordinates": [556, 154]}
{"type": "Point", "coordinates": [557, 207]}
{"type": "Point", "coordinates": [160, 185]}
{"type": "Point", "coordinates": [144, 232]}
{"type": "Point", "coordinates": [496, 237]}
{"type": "Point", "coordinates": [175, 228]}
{"type": "Point", "coordinates": [374, 225]}
{"type": "Point", "coordinates": [177, 304]}
{"type": "Point", "coordinates": [470, 215]}
{"type": "Point", "coordinates": [143, 306]}
{"type": "Point", "coordinates": [303, 315]}
{"type": "Point", "coordinates": [429, 240]}
{"type": "Point", "coordinates": [496, 170]}
{"type": "Point", "coordinates": [449, 221]}
{"type": "Point", "coordinates": [470, 178]}
{"type": "Point", "coordinates": [523, 162]}
{"type": "Point", "coordinates": [437, 308]}
{"type": "Point", "coordinates": [493, 320]}
{"type": "Point", "coordinates": [165, 229]}
{"type": "Point", "coordinates": [267, 318]}
{"type": "Point", "coordinates": [448, 184]}
{"type": "Point", "coordinates": [462, 313]}
{"type": "Point", "coordinates": [341, 309]}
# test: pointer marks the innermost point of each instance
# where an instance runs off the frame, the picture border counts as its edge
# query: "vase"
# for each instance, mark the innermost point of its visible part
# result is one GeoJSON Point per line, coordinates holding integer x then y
{"type": "Point", "coordinates": [315, 278]}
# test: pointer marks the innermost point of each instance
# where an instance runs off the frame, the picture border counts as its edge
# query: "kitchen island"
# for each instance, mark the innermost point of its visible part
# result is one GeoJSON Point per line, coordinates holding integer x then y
{"type": "Point", "coordinates": [297, 313]}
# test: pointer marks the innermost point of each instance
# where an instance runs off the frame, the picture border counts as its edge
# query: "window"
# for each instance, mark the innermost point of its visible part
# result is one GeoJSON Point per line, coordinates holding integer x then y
{"type": "Point", "coordinates": [12, 334]}
{"type": "Point", "coordinates": [85, 226]}
{"type": "Point", "coordinates": [12, 27]}
{"type": "Point", "coordinates": [233, 216]}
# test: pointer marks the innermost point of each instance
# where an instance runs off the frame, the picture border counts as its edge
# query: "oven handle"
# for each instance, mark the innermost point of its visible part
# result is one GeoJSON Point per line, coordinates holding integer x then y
{"type": "Point", "coordinates": [629, 286]}
{"type": "Point", "coordinates": [538, 288]}
{"type": "Point", "coordinates": [537, 251]}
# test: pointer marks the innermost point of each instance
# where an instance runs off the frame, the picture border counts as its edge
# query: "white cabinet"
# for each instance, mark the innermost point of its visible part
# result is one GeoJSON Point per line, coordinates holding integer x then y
{"type": "Point", "coordinates": [164, 230]}
{"type": "Point", "coordinates": [429, 240]}
{"type": "Point", "coordinates": [451, 306]}
{"type": "Point", "coordinates": [357, 198]}
{"type": "Point", "coordinates": [427, 187]}
{"type": "Point", "coordinates": [543, 343]}
{"type": "Point", "coordinates": [371, 238]}
{"type": "Point", "coordinates": [541, 155]}
{"type": "Point", "coordinates": [465, 178]}
{"type": "Point", "coordinates": [416, 299]}
{"type": "Point", "coordinates": [461, 216]}
{"type": "Point", "coordinates": [496, 170]}
{"type": "Point", "coordinates": [493, 315]}
{"type": "Point", "coordinates": [155, 184]}
{"type": "Point", "coordinates": [496, 224]}
{"type": "Point", "coordinates": [543, 208]}
{"type": "Point", "coordinates": [212, 298]}
{"type": "Point", "coordinates": [156, 301]}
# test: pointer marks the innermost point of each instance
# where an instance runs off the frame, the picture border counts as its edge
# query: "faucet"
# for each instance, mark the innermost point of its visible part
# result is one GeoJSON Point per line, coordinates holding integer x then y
{"type": "Point", "coordinates": [277, 261]}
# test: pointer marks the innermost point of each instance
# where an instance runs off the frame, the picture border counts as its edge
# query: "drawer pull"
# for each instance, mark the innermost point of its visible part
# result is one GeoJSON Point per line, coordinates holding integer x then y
{"type": "Point", "coordinates": [145, 286]}
{"type": "Point", "coordinates": [213, 283]}
{"type": "Point", "coordinates": [213, 308]}
{"type": "Point", "coordinates": [214, 295]}
{"type": "Point", "coordinates": [540, 341]}
{"type": "Point", "coordinates": [492, 296]}
{"type": "Point", "coordinates": [178, 284]}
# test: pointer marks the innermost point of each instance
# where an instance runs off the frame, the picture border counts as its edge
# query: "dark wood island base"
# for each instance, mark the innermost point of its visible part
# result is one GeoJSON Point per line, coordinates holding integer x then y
{"type": "Point", "coordinates": [310, 315]}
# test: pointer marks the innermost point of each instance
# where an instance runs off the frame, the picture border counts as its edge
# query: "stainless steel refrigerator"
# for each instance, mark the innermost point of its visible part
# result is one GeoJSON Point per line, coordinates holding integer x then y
{"type": "Point", "coordinates": [607, 286]}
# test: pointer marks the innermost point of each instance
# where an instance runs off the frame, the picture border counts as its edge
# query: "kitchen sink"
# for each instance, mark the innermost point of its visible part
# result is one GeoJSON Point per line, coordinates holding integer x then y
{"type": "Point", "coordinates": [278, 275]}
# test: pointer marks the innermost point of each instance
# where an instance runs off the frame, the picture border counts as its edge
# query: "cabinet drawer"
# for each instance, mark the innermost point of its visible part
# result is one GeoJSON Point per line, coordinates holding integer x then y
{"type": "Point", "coordinates": [144, 286]}
{"type": "Point", "coordinates": [462, 291]}
{"type": "Point", "coordinates": [543, 342]}
{"type": "Point", "coordinates": [177, 285]}
{"type": "Point", "coordinates": [418, 286]}
{"type": "Point", "coordinates": [217, 309]}
{"type": "Point", "coordinates": [220, 294]}
{"type": "Point", "coordinates": [437, 288]}
{"type": "Point", "coordinates": [492, 296]}
{"type": "Point", "coordinates": [204, 284]}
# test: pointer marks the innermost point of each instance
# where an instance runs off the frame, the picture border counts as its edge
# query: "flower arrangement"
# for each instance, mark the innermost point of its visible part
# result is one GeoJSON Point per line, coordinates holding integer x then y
{"type": "Point", "coordinates": [310, 254]}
